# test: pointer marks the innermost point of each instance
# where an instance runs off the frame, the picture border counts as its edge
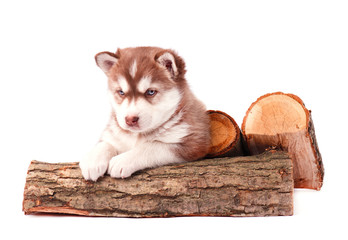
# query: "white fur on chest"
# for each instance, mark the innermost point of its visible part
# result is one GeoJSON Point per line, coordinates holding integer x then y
{"type": "Point", "coordinates": [171, 132]}
{"type": "Point", "coordinates": [120, 140]}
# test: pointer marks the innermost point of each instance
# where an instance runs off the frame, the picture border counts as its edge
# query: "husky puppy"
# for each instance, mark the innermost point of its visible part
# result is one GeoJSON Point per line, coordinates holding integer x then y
{"type": "Point", "coordinates": [155, 118]}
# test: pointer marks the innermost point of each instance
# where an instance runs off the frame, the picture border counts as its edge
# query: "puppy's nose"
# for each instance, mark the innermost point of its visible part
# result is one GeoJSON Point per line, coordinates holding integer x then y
{"type": "Point", "coordinates": [132, 120]}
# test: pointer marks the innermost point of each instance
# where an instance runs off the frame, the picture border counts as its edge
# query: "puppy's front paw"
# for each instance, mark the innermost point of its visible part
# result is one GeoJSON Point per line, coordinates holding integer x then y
{"type": "Point", "coordinates": [121, 166]}
{"type": "Point", "coordinates": [93, 167]}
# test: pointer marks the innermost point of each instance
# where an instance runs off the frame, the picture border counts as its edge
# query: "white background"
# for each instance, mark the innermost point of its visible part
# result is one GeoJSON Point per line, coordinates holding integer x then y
{"type": "Point", "coordinates": [54, 106]}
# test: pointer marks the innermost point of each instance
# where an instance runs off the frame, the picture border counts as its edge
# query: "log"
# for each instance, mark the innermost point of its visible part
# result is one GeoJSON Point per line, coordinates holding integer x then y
{"type": "Point", "coordinates": [226, 139]}
{"type": "Point", "coordinates": [279, 120]}
{"type": "Point", "coordinates": [259, 185]}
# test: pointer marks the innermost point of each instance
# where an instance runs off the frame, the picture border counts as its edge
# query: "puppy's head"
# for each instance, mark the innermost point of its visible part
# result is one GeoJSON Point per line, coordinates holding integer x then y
{"type": "Point", "coordinates": [145, 85]}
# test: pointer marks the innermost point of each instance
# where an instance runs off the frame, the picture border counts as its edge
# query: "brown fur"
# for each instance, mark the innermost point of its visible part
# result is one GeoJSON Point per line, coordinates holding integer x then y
{"type": "Point", "coordinates": [197, 144]}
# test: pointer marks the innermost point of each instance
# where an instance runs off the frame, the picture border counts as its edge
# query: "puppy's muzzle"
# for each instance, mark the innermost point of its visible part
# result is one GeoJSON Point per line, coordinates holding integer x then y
{"type": "Point", "coordinates": [132, 121]}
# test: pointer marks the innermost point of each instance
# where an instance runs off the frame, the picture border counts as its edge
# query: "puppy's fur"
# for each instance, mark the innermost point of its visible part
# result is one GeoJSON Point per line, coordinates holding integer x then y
{"type": "Point", "coordinates": [155, 118]}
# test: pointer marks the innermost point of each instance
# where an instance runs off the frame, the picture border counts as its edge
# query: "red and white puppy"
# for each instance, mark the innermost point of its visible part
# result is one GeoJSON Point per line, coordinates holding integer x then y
{"type": "Point", "coordinates": [155, 118]}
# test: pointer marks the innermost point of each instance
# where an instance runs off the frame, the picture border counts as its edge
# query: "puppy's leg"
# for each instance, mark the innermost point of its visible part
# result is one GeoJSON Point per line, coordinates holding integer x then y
{"type": "Point", "coordinates": [145, 155]}
{"type": "Point", "coordinates": [95, 163]}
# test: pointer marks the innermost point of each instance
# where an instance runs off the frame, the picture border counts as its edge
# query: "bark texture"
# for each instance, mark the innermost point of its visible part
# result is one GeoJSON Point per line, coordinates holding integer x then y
{"type": "Point", "coordinates": [259, 185]}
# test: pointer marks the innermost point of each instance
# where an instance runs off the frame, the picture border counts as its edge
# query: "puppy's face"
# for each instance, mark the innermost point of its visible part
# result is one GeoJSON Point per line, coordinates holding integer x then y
{"type": "Point", "coordinates": [143, 87]}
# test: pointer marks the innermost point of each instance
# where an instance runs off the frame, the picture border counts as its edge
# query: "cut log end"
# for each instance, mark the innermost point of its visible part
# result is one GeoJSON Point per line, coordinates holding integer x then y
{"type": "Point", "coordinates": [226, 140]}
{"type": "Point", "coordinates": [281, 120]}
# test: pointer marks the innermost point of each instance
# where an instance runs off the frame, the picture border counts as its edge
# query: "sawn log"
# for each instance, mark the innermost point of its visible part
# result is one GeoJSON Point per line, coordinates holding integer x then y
{"type": "Point", "coordinates": [260, 185]}
{"type": "Point", "coordinates": [226, 137]}
{"type": "Point", "coordinates": [282, 121]}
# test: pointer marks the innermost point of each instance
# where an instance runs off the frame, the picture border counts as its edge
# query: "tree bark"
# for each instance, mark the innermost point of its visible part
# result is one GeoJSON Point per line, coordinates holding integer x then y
{"type": "Point", "coordinates": [282, 121]}
{"type": "Point", "coordinates": [226, 138]}
{"type": "Point", "coordinates": [259, 185]}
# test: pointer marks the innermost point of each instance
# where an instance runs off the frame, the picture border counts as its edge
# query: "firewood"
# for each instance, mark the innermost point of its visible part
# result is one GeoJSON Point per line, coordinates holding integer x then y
{"type": "Point", "coordinates": [282, 121]}
{"type": "Point", "coordinates": [226, 139]}
{"type": "Point", "coordinates": [259, 185]}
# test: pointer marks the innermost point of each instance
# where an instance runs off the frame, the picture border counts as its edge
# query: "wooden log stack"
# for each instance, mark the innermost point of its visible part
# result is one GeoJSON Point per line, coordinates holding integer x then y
{"type": "Point", "coordinates": [226, 183]}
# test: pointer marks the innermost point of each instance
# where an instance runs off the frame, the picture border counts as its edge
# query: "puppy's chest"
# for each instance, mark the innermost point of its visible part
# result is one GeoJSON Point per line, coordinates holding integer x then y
{"type": "Point", "coordinates": [171, 133]}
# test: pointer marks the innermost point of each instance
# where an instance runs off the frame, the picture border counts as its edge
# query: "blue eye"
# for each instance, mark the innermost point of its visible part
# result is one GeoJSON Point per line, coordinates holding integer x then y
{"type": "Point", "coordinates": [120, 92]}
{"type": "Point", "coordinates": [150, 93]}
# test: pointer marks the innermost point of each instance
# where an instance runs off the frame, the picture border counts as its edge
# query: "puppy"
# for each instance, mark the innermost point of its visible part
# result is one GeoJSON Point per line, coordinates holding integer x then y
{"type": "Point", "coordinates": [155, 118]}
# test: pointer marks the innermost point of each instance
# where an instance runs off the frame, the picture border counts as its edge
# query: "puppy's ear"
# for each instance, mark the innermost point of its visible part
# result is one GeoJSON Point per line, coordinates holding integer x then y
{"type": "Point", "coordinates": [105, 60]}
{"type": "Point", "coordinates": [169, 61]}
